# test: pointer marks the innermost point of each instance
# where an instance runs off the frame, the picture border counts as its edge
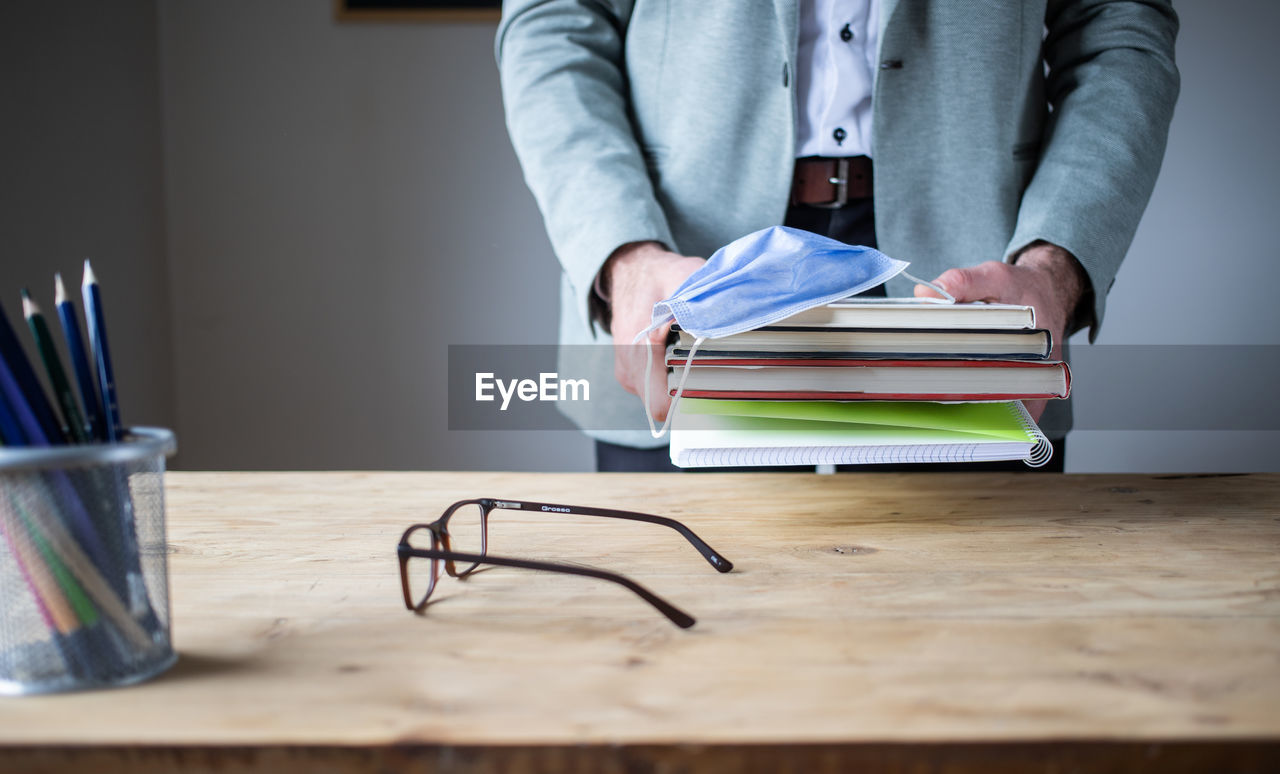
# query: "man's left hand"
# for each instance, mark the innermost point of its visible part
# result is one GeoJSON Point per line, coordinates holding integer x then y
{"type": "Point", "coordinates": [1043, 276]}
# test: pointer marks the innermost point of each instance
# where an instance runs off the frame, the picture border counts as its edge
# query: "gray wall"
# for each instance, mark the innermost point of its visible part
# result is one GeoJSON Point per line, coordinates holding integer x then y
{"type": "Point", "coordinates": [343, 203]}
{"type": "Point", "coordinates": [340, 202]}
{"type": "Point", "coordinates": [1204, 266]}
{"type": "Point", "coordinates": [80, 177]}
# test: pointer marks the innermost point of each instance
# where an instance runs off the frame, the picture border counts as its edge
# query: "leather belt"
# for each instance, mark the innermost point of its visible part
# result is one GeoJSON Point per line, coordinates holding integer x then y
{"type": "Point", "coordinates": [830, 182]}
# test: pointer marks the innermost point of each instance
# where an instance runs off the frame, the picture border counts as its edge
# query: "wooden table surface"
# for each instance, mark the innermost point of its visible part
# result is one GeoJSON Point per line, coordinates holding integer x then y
{"type": "Point", "coordinates": [899, 622]}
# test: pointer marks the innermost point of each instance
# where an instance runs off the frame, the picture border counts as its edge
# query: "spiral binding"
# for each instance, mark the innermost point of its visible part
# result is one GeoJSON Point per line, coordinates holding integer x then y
{"type": "Point", "coordinates": [1042, 452]}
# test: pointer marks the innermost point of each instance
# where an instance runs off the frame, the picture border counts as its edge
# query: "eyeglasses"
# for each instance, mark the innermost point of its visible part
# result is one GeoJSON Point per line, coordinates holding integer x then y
{"type": "Point", "coordinates": [460, 538]}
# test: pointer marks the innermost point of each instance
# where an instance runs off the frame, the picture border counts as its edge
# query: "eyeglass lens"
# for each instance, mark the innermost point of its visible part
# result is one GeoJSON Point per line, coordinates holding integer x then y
{"type": "Point", "coordinates": [465, 534]}
{"type": "Point", "coordinates": [420, 574]}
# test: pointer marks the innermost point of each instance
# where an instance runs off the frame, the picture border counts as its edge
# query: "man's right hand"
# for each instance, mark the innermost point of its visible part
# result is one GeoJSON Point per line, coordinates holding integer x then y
{"type": "Point", "coordinates": [639, 275]}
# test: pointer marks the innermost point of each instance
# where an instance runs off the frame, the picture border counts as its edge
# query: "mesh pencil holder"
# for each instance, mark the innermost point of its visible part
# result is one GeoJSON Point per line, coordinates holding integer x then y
{"type": "Point", "coordinates": [83, 571]}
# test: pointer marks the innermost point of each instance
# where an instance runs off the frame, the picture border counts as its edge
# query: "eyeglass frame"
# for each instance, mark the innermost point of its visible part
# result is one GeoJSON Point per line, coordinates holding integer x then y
{"type": "Point", "coordinates": [439, 532]}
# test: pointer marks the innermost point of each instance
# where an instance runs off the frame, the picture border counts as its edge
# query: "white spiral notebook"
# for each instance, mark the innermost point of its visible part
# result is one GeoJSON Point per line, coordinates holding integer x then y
{"type": "Point", "coordinates": [731, 433]}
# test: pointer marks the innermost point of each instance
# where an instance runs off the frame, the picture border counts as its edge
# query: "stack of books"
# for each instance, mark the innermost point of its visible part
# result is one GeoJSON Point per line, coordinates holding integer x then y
{"type": "Point", "coordinates": [867, 381]}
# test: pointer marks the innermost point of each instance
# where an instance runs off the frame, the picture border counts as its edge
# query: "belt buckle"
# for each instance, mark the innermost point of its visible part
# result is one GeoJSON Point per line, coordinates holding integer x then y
{"type": "Point", "coordinates": [841, 182]}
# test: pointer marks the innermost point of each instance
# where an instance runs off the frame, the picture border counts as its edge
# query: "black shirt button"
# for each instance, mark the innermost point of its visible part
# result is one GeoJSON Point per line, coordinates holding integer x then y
{"type": "Point", "coordinates": [846, 34]}
{"type": "Point", "coordinates": [839, 134]}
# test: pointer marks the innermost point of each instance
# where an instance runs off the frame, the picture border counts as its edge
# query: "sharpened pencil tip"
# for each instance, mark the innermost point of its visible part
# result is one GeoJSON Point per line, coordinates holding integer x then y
{"type": "Point", "coordinates": [59, 290]}
{"type": "Point", "coordinates": [89, 279]}
{"type": "Point", "coordinates": [29, 307]}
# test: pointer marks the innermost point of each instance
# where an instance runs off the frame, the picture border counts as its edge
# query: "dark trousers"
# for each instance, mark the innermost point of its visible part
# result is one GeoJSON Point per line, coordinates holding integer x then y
{"type": "Point", "coordinates": [853, 224]}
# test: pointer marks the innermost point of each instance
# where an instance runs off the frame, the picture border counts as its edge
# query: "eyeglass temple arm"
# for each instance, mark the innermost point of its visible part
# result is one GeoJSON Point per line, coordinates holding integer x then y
{"type": "Point", "coordinates": [675, 614]}
{"type": "Point", "coordinates": [710, 554]}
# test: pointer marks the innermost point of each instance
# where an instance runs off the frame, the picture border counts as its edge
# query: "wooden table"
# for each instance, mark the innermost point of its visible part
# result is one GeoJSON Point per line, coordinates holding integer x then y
{"type": "Point", "coordinates": [896, 622]}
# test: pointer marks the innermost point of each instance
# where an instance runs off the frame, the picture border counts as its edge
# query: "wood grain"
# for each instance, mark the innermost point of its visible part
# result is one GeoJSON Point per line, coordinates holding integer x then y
{"type": "Point", "coordinates": [891, 612]}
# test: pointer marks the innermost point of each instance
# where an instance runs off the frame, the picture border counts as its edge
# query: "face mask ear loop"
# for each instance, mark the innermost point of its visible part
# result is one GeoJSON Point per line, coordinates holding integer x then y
{"type": "Point", "coordinates": [653, 326]}
{"type": "Point", "coordinates": [654, 430]}
{"type": "Point", "coordinates": [936, 288]}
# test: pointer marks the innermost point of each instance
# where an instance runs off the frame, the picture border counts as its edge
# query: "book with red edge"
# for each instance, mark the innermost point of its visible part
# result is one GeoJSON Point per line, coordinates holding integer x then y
{"type": "Point", "coordinates": [770, 378]}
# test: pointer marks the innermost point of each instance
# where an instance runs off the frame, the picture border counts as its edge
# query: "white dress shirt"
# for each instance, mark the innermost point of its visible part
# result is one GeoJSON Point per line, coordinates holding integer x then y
{"type": "Point", "coordinates": [835, 73]}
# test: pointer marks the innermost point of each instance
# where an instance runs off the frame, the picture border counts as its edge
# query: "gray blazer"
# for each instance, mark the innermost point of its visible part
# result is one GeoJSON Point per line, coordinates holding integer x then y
{"type": "Point", "coordinates": [996, 123]}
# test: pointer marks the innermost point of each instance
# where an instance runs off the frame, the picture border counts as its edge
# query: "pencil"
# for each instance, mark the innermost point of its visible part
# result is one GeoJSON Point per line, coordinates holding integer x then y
{"type": "Point", "coordinates": [59, 620]}
{"type": "Point", "coordinates": [63, 491]}
{"type": "Point", "coordinates": [11, 352]}
{"type": "Point", "coordinates": [72, 424]}
{"type": "Point", "coordinates": [85, 378]}
{"type": "Point", "coordinates": [10, 433]}
{"type": "Point", "coordinates": [110, 655]}
{"type": "Point", "coordinates": [108, 601]}
{"type": "Point", "coordinates": [96, 322]}
{"type": "Point", "coordinates": [71, 589]}
{"type": "Point", "coordinates": [41, 606]}
{"type": "Point", "coordinates": [16, 402]}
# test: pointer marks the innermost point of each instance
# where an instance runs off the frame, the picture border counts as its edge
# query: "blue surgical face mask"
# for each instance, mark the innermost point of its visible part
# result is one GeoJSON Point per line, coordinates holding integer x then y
{"type": "Point", "coordinates": [760, 279]}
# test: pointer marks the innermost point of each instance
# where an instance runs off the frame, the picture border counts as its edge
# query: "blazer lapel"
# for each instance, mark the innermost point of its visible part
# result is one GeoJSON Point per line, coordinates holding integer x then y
{"type": "Point", "coordinates": [887, 7]}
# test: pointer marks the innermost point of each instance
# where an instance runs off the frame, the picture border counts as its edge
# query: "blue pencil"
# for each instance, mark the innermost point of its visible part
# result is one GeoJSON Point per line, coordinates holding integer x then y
{"type": "Point", "coordinates": [85, 379]}
{"type": "Point", "coordinates": [10, 433]}
{"type": "Point", "coordinates": [97, 325]}
{"type": "Point", "coordinates": [63, 491]}
{"type": "Point", "coordinates": [12, 353]}
{"type": "Point", "coordinates": [16, 402]}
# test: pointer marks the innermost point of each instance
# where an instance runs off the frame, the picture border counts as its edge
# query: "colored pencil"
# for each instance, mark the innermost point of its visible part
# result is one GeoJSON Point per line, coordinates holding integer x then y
{"type": "Point", "coordinates": [10, 433]}
{"type": "Point", "coordinates": [11, 352]}
{"type": "Point", "coordinates": [58, 617]}
{"type": "Point", "coordinates": [72, 424]}
{"type": "Point", "coordinates": [96, 322]}
{"type": "Point", "coordinates": [57, 486]}
{"type": "Point", "coordinates": [85, 379]}
{"type": "Point", "coordinates": [91, 594]}
{"type": "Point", "coordinates": [63, 490]}
{"type": "Point", "coordinates": [16, 401]}
{"type": "Point", "coordinates": [74, 593]}
{"type": "Point", "coordinates": [110, 654]}
{"type": "Point", "coordinates": [107, 600]}
{"type": "Point", "coordinates": [42, 607]}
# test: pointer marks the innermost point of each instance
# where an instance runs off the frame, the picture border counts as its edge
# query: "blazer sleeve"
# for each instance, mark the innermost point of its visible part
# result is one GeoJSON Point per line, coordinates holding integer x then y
{"type": "Point", "coordinates": [1111, 86]}
{"type": "Point", "coordinates": [564, 89]}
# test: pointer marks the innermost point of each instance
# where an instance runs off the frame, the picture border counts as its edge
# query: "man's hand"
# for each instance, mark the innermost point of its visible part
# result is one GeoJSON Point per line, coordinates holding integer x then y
{"type": "Point", "coordinates": [1043, 276]}
{"type": "Point", "coordinates": [639, 275]}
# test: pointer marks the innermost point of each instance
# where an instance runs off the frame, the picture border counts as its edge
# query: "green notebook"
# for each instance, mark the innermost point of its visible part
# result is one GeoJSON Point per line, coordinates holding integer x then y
{"type": "Point", "coordinates": [735, 433]}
